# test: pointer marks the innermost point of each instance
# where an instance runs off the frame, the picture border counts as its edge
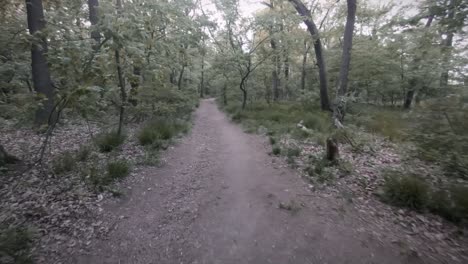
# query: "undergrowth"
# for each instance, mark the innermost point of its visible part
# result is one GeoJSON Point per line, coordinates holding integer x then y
{"type": "Point", "coordinates": [108, 141]}
{"type": "Point", "coordinates": [415, 193]}
{"type": "Point", "coordinates": [159, 130]}
{"type": "Point", "coordinates": [15, 246]}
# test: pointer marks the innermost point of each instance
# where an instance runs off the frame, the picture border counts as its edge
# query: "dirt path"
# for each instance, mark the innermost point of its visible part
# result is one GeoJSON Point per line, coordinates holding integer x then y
{"type": "Point", "coordinates": [216, 200]}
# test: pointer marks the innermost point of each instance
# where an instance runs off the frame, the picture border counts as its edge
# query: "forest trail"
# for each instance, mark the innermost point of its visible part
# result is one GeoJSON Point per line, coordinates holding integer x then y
{"type": "Point", "coordinates": [215, 199]}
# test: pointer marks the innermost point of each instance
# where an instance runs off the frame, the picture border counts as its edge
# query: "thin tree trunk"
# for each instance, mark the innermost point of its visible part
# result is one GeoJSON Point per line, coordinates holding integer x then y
{"type": "Point", "coordinates": [181, 75]}
{"type": "Point", "coordinates": [274, 74]}
{"type": "Point", "coordinates": [414, 81]}
{"type": "Point", "coordinates": [286, 76]}
{"type": "Point", "coordinates": [312, 28]}
{"type": "Point", "coordinates": [304, 64]}
{"type": "Point", "coordinates": [40, 70]}
{"type": "Point", "coordinates": [94, 19]}
{"type": "Point", "coordinates": [340, 104]}
{"type": "Point", "coordinates": [202, 82]}
{"type": "Point", "coordinates": [447, 48]}
{"type": "Point", "coordinates": [225, 102]}
{"type": "Point", "coordinates": [123, 92]}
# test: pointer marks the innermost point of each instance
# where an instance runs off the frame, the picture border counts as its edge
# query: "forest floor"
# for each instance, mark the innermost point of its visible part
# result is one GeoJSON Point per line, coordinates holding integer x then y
{"type": "Point", "coordinates": [220, 197]}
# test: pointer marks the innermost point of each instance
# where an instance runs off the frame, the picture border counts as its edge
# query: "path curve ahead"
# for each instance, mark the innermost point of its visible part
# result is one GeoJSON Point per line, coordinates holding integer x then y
{"type": "Point", "coordinates": [216, 199]}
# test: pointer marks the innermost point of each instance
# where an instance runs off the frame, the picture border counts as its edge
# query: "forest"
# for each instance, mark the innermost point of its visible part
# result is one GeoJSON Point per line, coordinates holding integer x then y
{"type": "Point", "coordinates": [367, 100]}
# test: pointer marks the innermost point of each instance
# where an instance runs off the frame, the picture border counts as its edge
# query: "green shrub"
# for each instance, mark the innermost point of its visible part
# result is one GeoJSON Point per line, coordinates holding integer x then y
{"type": "Point", "coordinates": [317, 121]}
{"type": "Point", "coordinates": [238, 116]}
{"type": "Point", "coordinates": [441, 204]}
{"type": "Point", "coordinates": [64, 163]}
{"type": "Point", "coordinates": [148, 135]}
{"type": "Point", "coordinates": [118, 169]}
{"type": "Point", "coordinates": [158, 130]}
{"type": "Point", "coordinates": [15, 246]}
{"type": "Point", "coordinates": [459, 196]}
{"type": "Point", "coordinates": [321, 169]}
{"type": "Point", "coordinates": [276, 150]}
{"type": "Point", "coordinates": [107, 142]}
{"type": "Point", "coordinates": [387, 123]}
{"type": "Point", "coordinates": [293, 152]}
{"type": "Point", "coordinates": [151, 158]}
{"type": "Point", "coordinates": [407, 191]}
{"type": "Point", "coordinates": [272, 140]}
{"type": "Point", "coordinates": [96, 176]}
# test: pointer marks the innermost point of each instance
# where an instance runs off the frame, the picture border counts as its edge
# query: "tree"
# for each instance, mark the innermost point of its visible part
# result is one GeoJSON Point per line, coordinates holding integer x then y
{"type": "Point", "coordinates": [94, 19]}
{"type": "Point", "coordinates": [304, 64]}
{"type": "Point", "coordinates": [340, 103]}
{"type": "Point", "coordinates": [123, 92]}
{"type": "Point", "coordinates": [312, 28]}
{"type": "Point", "coordinates": [40, 69]}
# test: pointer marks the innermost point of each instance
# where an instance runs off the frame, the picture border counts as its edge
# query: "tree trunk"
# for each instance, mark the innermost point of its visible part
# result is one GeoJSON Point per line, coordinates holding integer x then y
{"type": "Point", "coordinates": [243, 89]}
{"type": "Point", "coordinates": [286, 76]}
{"type": "Point", "coordinates": [40, 70]}
{"type": "Point", "coordinates": [225, 102]}
{"type": "Point", "coordinates": [447, 48]}
{"type": "Point", "coordinates": [94, 19]}
{"type": "Point", "coordinates": [410, 93]}
{"type": "Point", "coordinates": [414, 81]}
{"type": "Point", "coordinates": [202, 82]}
{"type": "Point", "coordinates": [304, 64]}
{"type": "Point", "coordinates": [244, 97]}
{"type": "Point", "coordinates": [312, 28]}
{"type": "Point", "coordinates": [181, 76]}
{"type": "Point", "coordinates": [123, 92]}
{"type": "Point", "coordinates": [340, 104]}
{"type": "Point", "coordinates": [333, 153]}
{"type": "Point", "coordinates": [274, 74]}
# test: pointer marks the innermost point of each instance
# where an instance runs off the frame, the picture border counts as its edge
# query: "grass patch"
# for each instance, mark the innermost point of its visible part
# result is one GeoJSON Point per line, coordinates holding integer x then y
{"type": "Point", "coordinates": [441, 204]}
{"type": "Point", "coordinates": [118, 169]}
{"type": "Point", "coordinates": [280, 118]}
{"type": "Point", "coordinates": [407, 191]}
{"type": "Point", "coordinates": [158, 130]}
{"type": "Point", "coordinates": [276, 150]}
{"type": "Point", "coordinates": [272, 140]}
{"type": "Point", "coordinates": [106, 142]}
{"type": "Point", "coordinates": [321, 170]}
{"type": "Point", "coordinates": [15, 246]}
{"type": "Point", "coordinates": [100, 178]}
{"type": "Point", "coordinates": [64, 163]}
{"type": "Point", "coordinates": [293, 152]}
{"type": "Point", "coordinates": [459, 195]}
{"type": "Point", "coordinates": [151, 158]}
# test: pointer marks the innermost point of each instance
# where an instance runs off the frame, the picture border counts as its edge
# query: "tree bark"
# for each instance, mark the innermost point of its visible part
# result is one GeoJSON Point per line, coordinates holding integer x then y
{"type": "Point", "coordinates": [304, 65]}
{"type": "Point", "coordinates": [181, 76]}
{"type": "Point", "coordinates": [312, 28]}
{"type": "Point", "coordinates": [202, 82]}
{"type": "Point", "coordinates": [340, 104]}
{"type": "Point", "coordinates": [123, 92]}
{"type": "Point", "coordinates": [447, 46]}
{"type": "Point", "coordinates": [94, 19]}
{"type": "Point", "coordinates": [333, 153]}
{"type": "Point", "coordinates": [286, 75]}
{"type": "Point", "coordinates": [414, 81]}
{"type": "Point", "coordinates": [275, 82]}
{"type": "Point", "coordinates": [40, 69]}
